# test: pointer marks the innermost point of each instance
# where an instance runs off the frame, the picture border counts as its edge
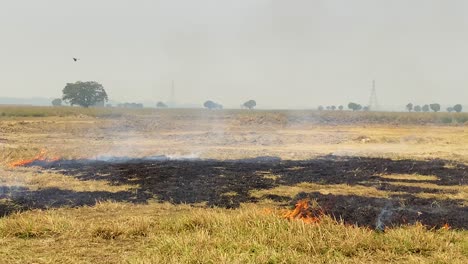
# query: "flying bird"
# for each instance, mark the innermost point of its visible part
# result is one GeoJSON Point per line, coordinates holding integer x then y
{"type": "Point", "coordinates": [75, 59]}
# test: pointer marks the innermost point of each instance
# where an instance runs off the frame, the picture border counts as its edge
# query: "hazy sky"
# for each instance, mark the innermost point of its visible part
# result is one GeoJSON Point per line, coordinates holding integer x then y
{"type": "Point", "coordinates": [283, 53]}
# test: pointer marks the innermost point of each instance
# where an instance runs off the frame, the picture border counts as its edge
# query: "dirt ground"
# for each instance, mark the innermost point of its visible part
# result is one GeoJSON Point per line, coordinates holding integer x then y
{"type": "Point", "coordinates": [372, 175]}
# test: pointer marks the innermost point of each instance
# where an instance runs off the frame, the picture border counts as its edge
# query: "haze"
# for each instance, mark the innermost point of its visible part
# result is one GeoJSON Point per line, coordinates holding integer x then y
{"type": "Point", "coordinates": [284, 54]}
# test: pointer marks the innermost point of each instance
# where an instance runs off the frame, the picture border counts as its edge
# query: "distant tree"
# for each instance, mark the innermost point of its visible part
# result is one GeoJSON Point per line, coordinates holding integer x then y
{"type": "Point", "coordinates": [250, 104]}
{"type": "Point", "coordinates": [354, 106]}
{"type": "Point", "coordinates": [340, 107]}
{"type": "Point", "coordinates": [457, 108]}
{"type": "Point", "coordinates": [333, 107]}
{"type": "Point", "coordinates": [425, 108]}
{"type": "Point", "coordinates": [366, 108]}
{"type": "Point", "coordinates": [161, 105]}
{"type": "Point", "coordinates": [320, 108]}
{"type": "Point", "coordinates": [57, 102]}
{"type": "Point", "coordinates": [435, 107]}
{"type": "Point", "coordinates": [409, 107]}
{"type": "Point", "coordinates": [417, 108]}
{"type": "Point", "coordinates": [328, 108]}
{"type": "Point", "coordinates": [84, 94]}
{"type": "Point", "coordinates": [450, 109]}
{"type": "Point", "coordinates": [212, 105]}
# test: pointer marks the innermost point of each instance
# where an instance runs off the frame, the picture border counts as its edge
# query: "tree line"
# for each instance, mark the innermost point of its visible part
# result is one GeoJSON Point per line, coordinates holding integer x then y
{"type": "Point", "coordinates": [434, 107]}
{"type": "Point", "coordinates": [409, 107]}
{"type": "Point", "coordinates": [351, 106]}
{"type": "Point", "coordinates": [88, 94]}
{"type": "Point", "coordinates": [250, 104]}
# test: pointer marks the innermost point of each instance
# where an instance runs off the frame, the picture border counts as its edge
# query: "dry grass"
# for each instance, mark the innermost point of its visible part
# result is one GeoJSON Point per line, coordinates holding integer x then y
{"type": "Point", "coordinates": [258, 117]}
{"type": "Point", "coordinates": [227, 134]}
{"type": "Point", "coordinates": [338, 189]}
{"type": "Point", "coordinates": [44, 111]}
{"type": "Point", "coordinates": [155, 233]}
{"type": "Point", "coordinates": [445, 192]}
{"type": "Point", "coordinates": [33, 180]}
{"type": "Point", "coordinates": [414, 177]}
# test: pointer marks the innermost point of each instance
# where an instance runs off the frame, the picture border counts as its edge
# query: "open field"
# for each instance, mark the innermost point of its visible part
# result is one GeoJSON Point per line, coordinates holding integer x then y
{"type": "Point", "coordinates": [198, 186]}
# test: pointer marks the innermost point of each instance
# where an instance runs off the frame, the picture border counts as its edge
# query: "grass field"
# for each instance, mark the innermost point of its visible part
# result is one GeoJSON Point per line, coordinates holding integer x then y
{"type": "Point", "coordinates": [211, 199]}
{"type": "Point", "coordinates": [284, 116]}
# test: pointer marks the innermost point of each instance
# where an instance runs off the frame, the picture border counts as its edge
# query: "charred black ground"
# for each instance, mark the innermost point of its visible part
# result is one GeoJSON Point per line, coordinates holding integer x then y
{"type": "Point", "coordinates": [229, 183]}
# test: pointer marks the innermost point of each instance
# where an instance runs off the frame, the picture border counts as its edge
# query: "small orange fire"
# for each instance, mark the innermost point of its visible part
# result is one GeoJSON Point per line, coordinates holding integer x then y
{"type": "Point", "coordinates": [42, 156]}
{"type": "Point", "coordinates": [305, 212]}
{"type": "Point", "coordinates": [446, 226]}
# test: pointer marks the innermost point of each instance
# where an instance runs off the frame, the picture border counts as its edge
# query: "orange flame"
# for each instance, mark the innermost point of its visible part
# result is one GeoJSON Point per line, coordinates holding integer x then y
{"type": "Point", "coordinates": [304, 212]}
{"type": "Point", "coordinates": [446, 226]}
{"type": "Point", "coordinates": [42, 156]}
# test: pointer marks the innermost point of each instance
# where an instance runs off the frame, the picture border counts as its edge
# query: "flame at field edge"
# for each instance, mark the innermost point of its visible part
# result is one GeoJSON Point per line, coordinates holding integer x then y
{"type": "Point", "coordinates": [305, 211]}
{"type": "Point", "coordinates": [42, 156]}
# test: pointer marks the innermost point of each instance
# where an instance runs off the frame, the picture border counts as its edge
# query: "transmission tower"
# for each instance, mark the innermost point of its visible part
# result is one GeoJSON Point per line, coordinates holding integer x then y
{"type": "Point", "coordinates": [373, 102]}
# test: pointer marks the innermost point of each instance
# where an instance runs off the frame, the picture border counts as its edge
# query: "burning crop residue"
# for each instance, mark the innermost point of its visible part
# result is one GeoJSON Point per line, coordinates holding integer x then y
{"type": "Point", "coordinates": [192, 180]}
{"type": "Point", "coordinates": [307, 211]}
{"type": "Point", "coordinates": [446, 226]}
{"type": "Point", "coordinates": [45, 160]}
{"type": "Point", "coordinates": [41, 157]}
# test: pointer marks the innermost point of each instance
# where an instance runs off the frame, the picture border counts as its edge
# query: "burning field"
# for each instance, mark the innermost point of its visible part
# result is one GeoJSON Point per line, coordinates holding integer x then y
{"type": "Point", "coordinates": [411, 197]}
{"type": "Point", "coordinates": [269, 180]}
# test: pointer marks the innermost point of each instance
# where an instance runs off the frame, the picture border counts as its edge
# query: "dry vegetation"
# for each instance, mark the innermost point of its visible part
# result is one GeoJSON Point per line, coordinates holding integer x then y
{"type": "Point", "coordinates": [54, 230]}
{"type": "Point", "coordinates": [164, 233]}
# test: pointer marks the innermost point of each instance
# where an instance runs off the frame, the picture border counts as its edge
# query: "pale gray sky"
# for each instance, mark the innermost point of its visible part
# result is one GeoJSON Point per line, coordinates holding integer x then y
{"type": "Point", "coordinates": [283, 53]}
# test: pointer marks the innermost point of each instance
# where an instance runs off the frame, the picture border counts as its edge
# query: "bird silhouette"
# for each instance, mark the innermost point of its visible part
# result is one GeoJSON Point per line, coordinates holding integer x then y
{"type": "Point", "coordinates": [75, 59]}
